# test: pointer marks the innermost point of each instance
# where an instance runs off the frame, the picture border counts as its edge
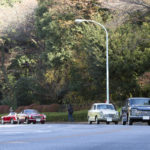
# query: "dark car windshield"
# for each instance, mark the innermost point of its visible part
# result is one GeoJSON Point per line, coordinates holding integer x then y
{"type": "Point", "coordinates": [139, 102]}
{"type": "Point", "coordinates": [105, 107]}
{"type": "Point", "coordinates": [31, 111]}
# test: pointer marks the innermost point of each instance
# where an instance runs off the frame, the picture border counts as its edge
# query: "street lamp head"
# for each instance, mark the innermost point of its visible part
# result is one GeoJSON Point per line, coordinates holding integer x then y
{"type": "Point", "coordinates": [78, 21]}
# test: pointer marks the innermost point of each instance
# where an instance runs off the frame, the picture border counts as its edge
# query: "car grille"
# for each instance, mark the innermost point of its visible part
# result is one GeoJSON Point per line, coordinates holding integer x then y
{"type": "Point", "coordinates": [36, 117]}
{"type": "Point", "coordinates": [110, 115]}
{"type": "Point", "coordinates": [144, 113]}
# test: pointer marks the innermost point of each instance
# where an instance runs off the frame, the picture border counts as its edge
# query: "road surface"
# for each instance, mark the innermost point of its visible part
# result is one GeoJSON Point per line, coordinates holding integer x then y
{"type": "Point", "coordinates": [74, 137]}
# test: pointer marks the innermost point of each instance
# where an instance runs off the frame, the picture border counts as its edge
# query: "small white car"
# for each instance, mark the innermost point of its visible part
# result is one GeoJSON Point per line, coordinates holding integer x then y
{"type": "Point", "coordinates": [102, 112]}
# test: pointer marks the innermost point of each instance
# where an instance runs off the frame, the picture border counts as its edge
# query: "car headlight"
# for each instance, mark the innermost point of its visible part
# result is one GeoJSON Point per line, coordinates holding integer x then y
{"type": "Point", "coordinates": [101, 114]}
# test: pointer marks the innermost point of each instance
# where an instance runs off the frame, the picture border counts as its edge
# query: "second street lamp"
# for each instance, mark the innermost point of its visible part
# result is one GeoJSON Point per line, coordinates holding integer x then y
{"type": "Point", "coordinates": [107, 58]}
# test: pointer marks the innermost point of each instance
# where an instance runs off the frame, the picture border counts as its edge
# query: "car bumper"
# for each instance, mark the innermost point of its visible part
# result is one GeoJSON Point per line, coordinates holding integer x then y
{"type": "Point", "coordinates": [108, 119]}
{"type": "Point", "coordinates": [37, 120]}
{"type": "Point", "coordinates": [140, 118]}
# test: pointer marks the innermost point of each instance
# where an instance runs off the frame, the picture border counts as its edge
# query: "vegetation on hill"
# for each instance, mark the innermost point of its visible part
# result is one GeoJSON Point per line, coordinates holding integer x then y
{"type": "Point", "coordinates": [64, 62]}
{"type": "Point", "coordinates": [8, 2]}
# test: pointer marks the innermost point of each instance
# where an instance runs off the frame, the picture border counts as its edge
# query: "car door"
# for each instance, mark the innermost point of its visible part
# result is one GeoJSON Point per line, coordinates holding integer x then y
{"type": "Point", "coordinates": [96, 112]}
{"type": "Point", "coordinates": [92, 112]}
{"type": "Point", "coordinates": [9, 118]}
{"type": "Point", "coordinates": [5, 118]}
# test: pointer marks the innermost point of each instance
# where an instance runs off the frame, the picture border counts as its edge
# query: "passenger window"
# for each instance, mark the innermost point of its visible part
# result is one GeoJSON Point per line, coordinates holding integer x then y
{"type": "Point", "coordinates": [94, 107]}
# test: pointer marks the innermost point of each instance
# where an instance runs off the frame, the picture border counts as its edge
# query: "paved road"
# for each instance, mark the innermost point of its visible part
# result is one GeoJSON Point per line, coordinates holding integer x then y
{"type": "Point", "coordinates": [74, 137]}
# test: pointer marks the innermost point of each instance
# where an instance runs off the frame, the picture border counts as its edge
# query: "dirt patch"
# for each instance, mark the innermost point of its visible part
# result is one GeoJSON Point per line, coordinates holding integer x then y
{"type": "Point", "coordinates": [12, 17]}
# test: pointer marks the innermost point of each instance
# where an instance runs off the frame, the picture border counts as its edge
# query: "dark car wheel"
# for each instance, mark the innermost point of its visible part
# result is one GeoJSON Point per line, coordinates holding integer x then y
{"type": "Point", "coordinates": [148, 123]}
{"type": "Point", "coordinates": [116, 122]}
{"type": "Point", "coordinates": [43, 122]}
{"type": "Point", "coordinates": [89, 122]}
{"type": "Point", "coordinates": [107, 122]}
{"type": "Point", "coordinates": [96, 120]}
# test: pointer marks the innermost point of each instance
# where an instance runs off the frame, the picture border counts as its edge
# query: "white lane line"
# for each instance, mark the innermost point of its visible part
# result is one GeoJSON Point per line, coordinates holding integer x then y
{"type": "Point", "coordinates": [10, 126]}
{"type": "Point", "coordinates": [17, 142]}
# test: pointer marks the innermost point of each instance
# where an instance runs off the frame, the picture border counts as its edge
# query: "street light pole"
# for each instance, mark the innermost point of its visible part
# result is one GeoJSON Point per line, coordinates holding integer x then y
{"type": "Point", "coordinates": [107, 58]}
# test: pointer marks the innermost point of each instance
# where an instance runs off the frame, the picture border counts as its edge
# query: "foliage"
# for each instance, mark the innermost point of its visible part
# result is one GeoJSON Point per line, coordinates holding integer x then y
{"type": "Point", "coordinates": [63, 62]}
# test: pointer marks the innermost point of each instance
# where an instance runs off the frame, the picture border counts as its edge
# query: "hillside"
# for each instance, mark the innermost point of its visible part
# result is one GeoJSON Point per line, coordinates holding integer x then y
{"type": "Point", "coordinates": [20, 15]}
{"type": "Point", "coordinates": [47, 58]}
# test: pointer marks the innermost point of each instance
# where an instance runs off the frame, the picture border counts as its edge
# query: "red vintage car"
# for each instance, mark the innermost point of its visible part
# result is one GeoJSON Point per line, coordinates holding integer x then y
{"type": "Point", "coordinates": [10, 118]}
{"type": "Point", "coordinates": [31, 116]}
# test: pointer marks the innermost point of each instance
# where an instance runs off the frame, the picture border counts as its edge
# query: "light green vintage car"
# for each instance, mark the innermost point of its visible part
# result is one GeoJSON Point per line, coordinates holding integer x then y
{"type": "Point", "coordinates": [102, 112]}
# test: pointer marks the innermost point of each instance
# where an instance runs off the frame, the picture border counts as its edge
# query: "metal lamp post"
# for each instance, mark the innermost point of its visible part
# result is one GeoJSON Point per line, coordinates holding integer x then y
{"type": "Point", "coordinates": [107, 59]}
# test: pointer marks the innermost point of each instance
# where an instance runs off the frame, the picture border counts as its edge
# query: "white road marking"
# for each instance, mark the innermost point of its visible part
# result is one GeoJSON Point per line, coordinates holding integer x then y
{"type": "Point", "coordinates": [17, 142]}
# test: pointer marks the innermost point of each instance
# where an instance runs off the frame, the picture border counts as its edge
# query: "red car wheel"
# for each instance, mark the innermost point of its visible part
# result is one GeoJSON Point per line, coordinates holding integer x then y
{"type": "Point", "coordinates": [2, 121]}
{"type": "Point", "coordinates": [43, 122]}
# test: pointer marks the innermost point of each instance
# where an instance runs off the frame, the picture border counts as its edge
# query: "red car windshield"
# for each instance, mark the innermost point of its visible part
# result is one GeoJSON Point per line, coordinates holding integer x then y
{"type": "Point", "coordinates": [31, 111]}
{"type": "Point", "coordinates": [11, 113]}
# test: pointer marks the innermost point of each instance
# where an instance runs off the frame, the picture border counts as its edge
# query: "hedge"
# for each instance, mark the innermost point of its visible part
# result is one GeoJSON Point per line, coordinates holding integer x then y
{"type": "Point", "coordinates": [63, 116]}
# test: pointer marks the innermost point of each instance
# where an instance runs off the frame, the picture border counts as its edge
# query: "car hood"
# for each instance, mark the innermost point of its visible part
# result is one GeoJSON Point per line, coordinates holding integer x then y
{"type": "Point", "coordinates": [141, 107]}
{"type": "Point", "coordinates": [35, 114]}
{"type": "Point", "coordinates": [108, 111]}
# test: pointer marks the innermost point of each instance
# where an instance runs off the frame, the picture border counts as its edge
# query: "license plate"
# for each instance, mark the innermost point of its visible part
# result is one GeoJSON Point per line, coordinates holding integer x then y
{"type": "Point", "coordinates": [109, 119]}
{"type": "Point", "coordinates": [145, 117]}
{"type": "Point", "coordinates": [38, 120]}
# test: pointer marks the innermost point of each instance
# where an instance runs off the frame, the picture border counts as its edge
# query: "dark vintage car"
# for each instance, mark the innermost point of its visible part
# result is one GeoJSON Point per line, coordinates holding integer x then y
{"type": "Point", "coordinates": [10, 118]}
{"type": "Point", "coordinates": [136, 109]}
{"type": "Point", "coordinates": [31, 116]}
